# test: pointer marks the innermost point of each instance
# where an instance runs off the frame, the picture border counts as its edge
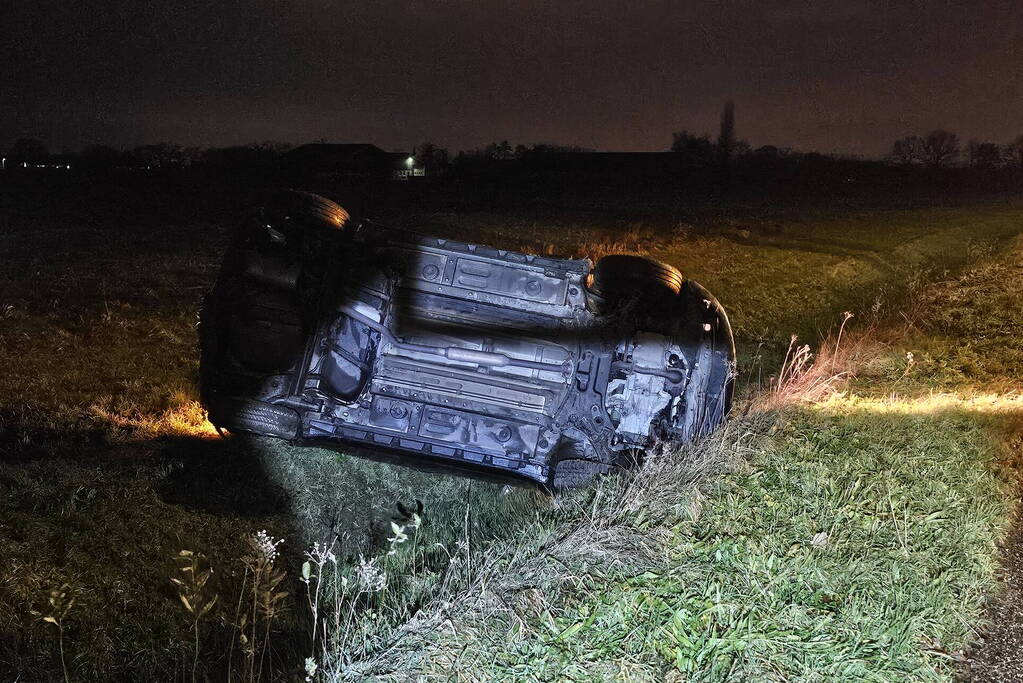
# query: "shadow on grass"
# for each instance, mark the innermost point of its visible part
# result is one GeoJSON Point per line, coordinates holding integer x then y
{"type": "Point", "coordinates": [87, 510]}
{"type": "Point", "coordinates": [87, 506]}
{"type": "Point", "coordinates": [217, 476]}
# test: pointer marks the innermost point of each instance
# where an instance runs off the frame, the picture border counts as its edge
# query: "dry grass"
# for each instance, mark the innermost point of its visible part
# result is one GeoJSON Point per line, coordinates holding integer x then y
{"type": "Point", "coordinates": [185, 417]}
{"type": "Point", "coordinates": [805, 377]}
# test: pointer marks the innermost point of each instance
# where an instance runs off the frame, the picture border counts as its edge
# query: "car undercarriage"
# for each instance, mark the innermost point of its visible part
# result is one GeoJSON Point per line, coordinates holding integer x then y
{"type": "Point", "coordinates": [325, 331]}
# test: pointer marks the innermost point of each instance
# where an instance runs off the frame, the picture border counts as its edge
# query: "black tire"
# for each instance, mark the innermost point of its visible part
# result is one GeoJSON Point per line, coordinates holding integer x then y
{"type": "Point", "coordinates": [570, 473]}
{"type": "Point", "coordinates": [305, 209]}
{"type": "Point", "coordinates": [259, 309]}
{"type": "Point", "coordinates": [620, 275]}
{"type": "Point", "coordinates": [622, 280]}
{"type": "Point", "coordinates": [706, 329]}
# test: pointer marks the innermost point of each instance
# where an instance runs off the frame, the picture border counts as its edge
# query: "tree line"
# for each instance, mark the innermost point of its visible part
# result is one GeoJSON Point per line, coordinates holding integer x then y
{"type": "Point", "coordinates": [942, 149]}
{"type": "Point", "coordinates": [934, 150]}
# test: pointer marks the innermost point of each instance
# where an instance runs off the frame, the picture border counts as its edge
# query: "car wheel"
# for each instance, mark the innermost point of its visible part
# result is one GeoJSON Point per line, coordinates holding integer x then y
{"type": "Point", "coordinates": [264, 295]}
{"type": "Point", "coordinates": [617, 274]}
{"type": "Point", "coordinates": [620, 280]}
{"type": "Point", "coordinates": [705, 332]}
{"type": "Point", "coordinates": [572, 473]}
{"type": "Point", "coordinates": [305, 209]}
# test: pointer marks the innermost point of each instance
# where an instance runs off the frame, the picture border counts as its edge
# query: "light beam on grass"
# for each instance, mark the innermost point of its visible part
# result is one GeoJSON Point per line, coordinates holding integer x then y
{"type": "Point", "coordinates": [931, 404]}
{"type": "Point", "coordinates": [186, 419]}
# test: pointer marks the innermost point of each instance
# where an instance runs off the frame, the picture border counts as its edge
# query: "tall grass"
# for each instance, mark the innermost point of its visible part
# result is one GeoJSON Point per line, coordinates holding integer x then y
{"type": "Point", "coordinates": [512, 588]}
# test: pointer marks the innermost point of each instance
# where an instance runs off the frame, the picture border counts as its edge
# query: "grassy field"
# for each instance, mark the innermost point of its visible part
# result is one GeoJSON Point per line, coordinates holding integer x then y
{"type": "Point", "coordinates": [849, 536]}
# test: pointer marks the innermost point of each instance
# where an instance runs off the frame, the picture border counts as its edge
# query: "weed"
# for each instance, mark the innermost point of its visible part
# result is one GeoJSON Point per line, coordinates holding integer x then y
{"type": "Point", "coordinates": [260, 600]}
{"type": "Point", "coordinates": [192, 592]}
{"type": "Point", "coordinates": [59, 603]}
{"type": "Point", "coordinates": [804, 378]}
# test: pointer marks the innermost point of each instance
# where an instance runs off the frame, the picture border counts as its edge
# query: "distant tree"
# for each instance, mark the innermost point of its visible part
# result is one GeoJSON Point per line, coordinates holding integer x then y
{"type": "Point", "coordinates": [767, 152]}
{"type": "Point", "coordinates": [255, 156]}
{"type": "Point", "coordinates": [274, 147]}
{"type": "Point", "coordinates": [983, 154]}
{"type": "Point", "coordinates": [499, 150]}
{"type": "Point", "coordinates": [940, 148]}
{"type": "Point", "coordinates": [726, 136]}
{"type": "Point", "coordinates": [697, 149]}
{"type": "Point", "coordinates": [191, 156]}
{"type": "Point", "coordinates": [434, 159]}
{"type": "Point", "coordinates": [908, 150]}
{"type": "Point", "coordinates": [28, 150]}
{"type": "Point", "coordinates": [1014, 152]}
{"type": "Point", "coordinates": [267, 153]}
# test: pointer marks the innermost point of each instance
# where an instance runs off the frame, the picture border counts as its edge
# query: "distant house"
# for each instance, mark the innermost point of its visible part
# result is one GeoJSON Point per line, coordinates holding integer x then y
{"type": "Point", "coordinates": [406, 166]}
{"type": "Point", "coordinates": [52, 163]}
{"type": "Point", "coordinates": [349, 162]}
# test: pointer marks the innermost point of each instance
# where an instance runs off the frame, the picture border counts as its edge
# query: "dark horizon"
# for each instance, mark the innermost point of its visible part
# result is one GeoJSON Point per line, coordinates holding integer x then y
{"type": "Point", "coordinates": [837, 77]}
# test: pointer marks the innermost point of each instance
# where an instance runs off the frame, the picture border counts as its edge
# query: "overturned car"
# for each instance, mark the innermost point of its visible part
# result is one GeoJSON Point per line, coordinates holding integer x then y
{"type": "Point", "coordinates": [330, 332]}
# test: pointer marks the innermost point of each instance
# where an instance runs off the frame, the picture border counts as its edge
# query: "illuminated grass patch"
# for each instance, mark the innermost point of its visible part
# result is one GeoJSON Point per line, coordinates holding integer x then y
{"type": "Point", "coordinates": [855, 542]}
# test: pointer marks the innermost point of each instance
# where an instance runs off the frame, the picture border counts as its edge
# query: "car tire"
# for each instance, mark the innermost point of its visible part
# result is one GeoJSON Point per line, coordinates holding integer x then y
{"type": "Point", "coordinates": [571, 473]}
{"type": "Point", "coordinates": [304, 209]}
{"type": "Point", "coordinates": [621, 274]}
{"type": "Point", "coordinates": [705, 327]}
{"type": "Point", "coordinates": [263, 292]}
{"type": "Point", "coordinates": [620, 280]}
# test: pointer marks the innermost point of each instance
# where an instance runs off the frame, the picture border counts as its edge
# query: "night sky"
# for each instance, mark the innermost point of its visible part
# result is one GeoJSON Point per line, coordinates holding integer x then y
{"type": "Point", "coordinates": [841, 76]}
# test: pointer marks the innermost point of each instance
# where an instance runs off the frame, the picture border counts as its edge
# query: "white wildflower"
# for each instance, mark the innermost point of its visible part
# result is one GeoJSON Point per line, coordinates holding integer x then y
{"type": "Point", "coordinates": [399, 536]}
{"type": "Point", "coordinates": [321, 553]}
{"type": "Point", "coordinates": [266, 545]}
{"type": "Point", "coordinates": [310, 668]}
{"type": "Point", "coordinates": [371, 578]}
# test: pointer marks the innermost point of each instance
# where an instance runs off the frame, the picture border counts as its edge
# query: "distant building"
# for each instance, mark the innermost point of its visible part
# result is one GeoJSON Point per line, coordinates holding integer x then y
{"type": "Point", "coordinates": [350, 162]}
{"type": "Point", "coordinates": [52, 164]}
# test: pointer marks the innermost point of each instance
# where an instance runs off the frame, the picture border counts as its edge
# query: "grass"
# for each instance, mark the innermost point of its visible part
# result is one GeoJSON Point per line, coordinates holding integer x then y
{"type": "Point", "coordinates": [851, 541]}
{"type": "Point", "coordinates": [703, 564]}
{"type": "Point", "coordinates": [846, 550]}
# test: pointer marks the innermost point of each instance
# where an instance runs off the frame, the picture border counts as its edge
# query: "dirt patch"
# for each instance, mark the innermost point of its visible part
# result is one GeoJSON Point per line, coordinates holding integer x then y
{"type": "Point", "coordinates": [998, 655]}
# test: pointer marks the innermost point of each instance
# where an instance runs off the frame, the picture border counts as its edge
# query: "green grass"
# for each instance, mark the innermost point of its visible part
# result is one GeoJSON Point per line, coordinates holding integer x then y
{"type": "Point", "coordinates": [108, 470]}
{"type": "Point", "coordinates": [905, 512]}
{"type": "Point", "coordinates": [854, 542]}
